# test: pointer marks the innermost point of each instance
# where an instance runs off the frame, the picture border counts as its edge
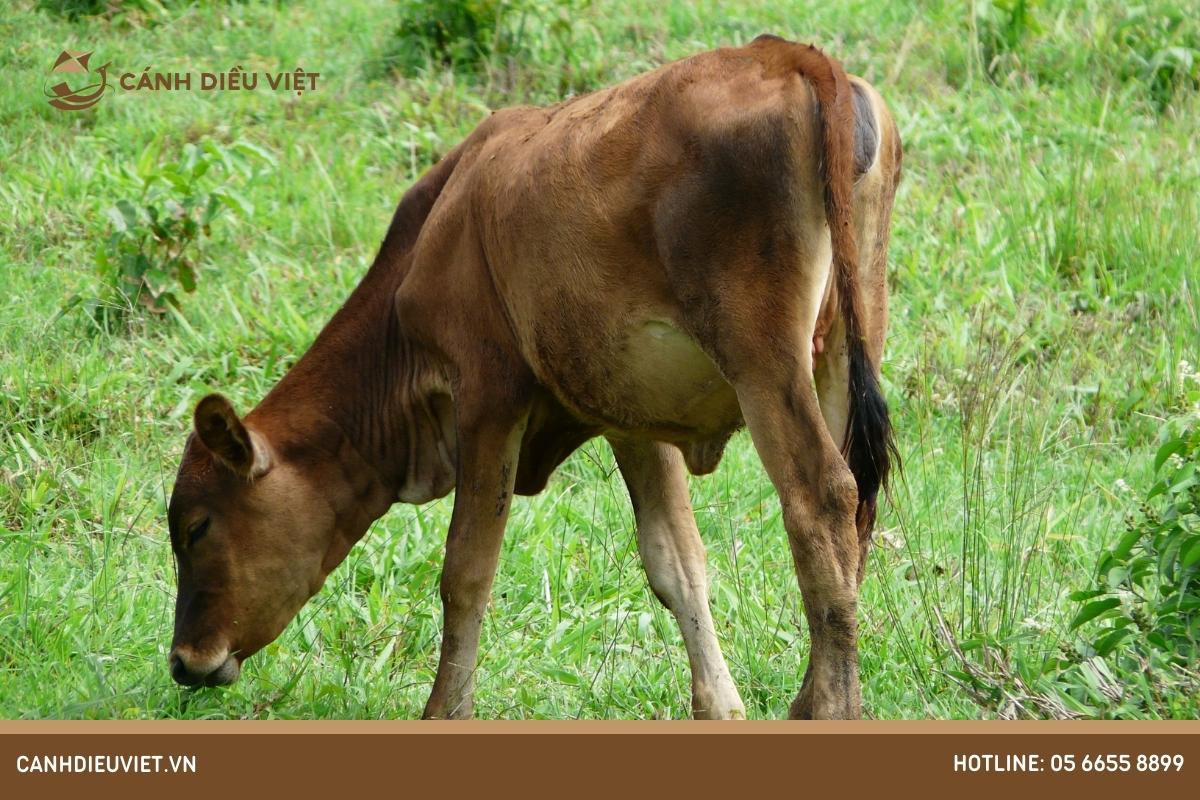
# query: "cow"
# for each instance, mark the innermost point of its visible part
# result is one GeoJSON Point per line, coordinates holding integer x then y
{"type": "Point", "coordinates": [659, 262]}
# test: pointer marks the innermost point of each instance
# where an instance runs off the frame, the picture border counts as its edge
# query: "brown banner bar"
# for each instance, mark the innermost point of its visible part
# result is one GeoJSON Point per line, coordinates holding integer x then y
{"type": "Point", "coordinates": [482, 759]}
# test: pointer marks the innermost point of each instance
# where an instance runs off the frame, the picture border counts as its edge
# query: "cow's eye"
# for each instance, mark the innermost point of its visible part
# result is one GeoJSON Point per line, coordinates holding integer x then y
{"type": "Point", "coordinates": [197, 531]}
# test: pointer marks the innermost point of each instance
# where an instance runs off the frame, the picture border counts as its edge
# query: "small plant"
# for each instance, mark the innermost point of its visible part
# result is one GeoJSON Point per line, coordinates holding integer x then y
{"type": "Point", "coordinates": [1141, 619]}
{"type": "Point", "coordinates": [155, 233]}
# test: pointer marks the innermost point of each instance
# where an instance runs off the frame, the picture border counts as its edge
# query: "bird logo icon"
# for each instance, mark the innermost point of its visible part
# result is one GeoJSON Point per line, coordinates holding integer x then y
{"type": "Point", "coordinates": [62, 95]}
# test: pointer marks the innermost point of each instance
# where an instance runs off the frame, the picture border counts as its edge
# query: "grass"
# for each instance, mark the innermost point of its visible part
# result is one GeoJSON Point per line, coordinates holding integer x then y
{"type": "Point", "coordinates": [1043, 293]}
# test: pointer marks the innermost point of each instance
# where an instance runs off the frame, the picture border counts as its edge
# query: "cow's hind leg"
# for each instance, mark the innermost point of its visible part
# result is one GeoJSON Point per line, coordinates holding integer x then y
{"type": "Point", "coordinates": [489, 440]}
{"type": "Point", "coordinates": [764, 348]}
{"type": "Point", "coordinates": [674, 558]}
{"type": "Point", "coordinates": [818, 496]}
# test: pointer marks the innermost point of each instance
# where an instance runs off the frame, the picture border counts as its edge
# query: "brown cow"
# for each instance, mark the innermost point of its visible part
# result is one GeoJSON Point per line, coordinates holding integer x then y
{"type": "Point", "coordinates": [656, 263]}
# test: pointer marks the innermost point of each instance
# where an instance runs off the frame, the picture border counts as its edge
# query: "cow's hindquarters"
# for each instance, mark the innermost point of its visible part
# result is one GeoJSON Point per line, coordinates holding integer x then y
{"type": "Point", "coordinates": [764, 346]}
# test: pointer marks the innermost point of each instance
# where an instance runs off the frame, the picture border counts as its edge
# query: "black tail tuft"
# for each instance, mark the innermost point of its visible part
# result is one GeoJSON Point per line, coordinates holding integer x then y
{"type": "Point", "coordinates": [870, 447]}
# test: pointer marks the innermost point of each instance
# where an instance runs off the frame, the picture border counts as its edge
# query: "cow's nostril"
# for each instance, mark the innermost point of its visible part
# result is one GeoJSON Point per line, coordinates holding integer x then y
{"type": "Point", "coordinates": [180, 672]}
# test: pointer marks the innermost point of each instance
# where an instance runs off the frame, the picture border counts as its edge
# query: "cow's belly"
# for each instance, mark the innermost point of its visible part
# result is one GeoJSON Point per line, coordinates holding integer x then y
{"type": "Point", "coordinates": [673, 379]}
{"type": "Point", "coordinates": [647, 377]}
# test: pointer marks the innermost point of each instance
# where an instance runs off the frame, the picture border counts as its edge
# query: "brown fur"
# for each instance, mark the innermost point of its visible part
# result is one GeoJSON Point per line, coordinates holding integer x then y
{"type": "Point", "coordinates": [650, 262]}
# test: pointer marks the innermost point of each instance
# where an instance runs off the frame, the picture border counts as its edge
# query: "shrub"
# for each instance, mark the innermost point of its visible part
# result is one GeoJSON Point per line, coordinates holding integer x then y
{"type": "Point", "coordinates": [1141, 619]}
{"type": "Point", "coordinates": [454, 33]}
{"type": "Point", "coordinates": [471, 35]}
{"type": "Point", "coordinates": [156, 232]}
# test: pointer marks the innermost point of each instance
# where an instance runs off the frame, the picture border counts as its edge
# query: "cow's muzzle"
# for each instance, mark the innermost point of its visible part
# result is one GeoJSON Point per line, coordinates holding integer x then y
{"type": "Point", "coordinates": [189, 669]}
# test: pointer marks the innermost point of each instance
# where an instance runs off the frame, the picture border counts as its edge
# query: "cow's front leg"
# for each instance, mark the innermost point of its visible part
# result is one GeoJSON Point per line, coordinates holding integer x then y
{"type": "Point", "coordinates": [489, 441]}
{"type": "Point", "coordinates": [674, 558]}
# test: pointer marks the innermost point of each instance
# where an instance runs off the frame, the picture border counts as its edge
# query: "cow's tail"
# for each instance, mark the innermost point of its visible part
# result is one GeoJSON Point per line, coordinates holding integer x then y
{"type": "Point", "coordinates": [869, 447]}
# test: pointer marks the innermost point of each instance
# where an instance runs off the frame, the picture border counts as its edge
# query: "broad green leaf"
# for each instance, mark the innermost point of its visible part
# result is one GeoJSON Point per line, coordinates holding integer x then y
{"type": "Point", "coordinates": [1117, 577]}
{"type": "Point", "coordinates": [1094, 609]}
{"type": "Point", "coordinates": [1184, 478]}
{"type": "Point", "coordinates": [218, 153]}
{"type": "Point", "coordinates": [116, 218]}
{"type": "Point", "coordinates": [1190, 553]}
{"type": "Point", "coordinates": [187, 276]}
{"type": "Point", "coordinates": [1106, 643]}
{"type": "Point", "coordinates": [1126, 543]}
{"type": "Point", "coordinates": [129, 212]}
{"type": "Point", "coordinates": [177, 181]}
{"type": "Point", "coordinates": [103, 265]}
{"type": "Point", "coordinates": [562, 676]}
{"type": "Point", "coordinates": [1166, 450]}
{"type": "Point", "coordinates": [249, 148]}
{"type": "Point", "coordinates": [149, 157]}
{"type": "Point", "coordinates": [191, 157]}
{"type": "Point", "coordinates": [212, 209]}
{"type": "Point", "coordinates": [235, 200]}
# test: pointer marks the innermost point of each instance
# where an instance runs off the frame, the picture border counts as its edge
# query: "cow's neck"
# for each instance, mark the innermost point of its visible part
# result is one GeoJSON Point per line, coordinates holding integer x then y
{"type": "Point", "coordinates": [362, 409]}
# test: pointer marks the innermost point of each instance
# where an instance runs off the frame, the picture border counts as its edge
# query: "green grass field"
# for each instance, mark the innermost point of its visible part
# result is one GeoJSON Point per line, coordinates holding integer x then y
{"type": "Point", "coordinates": [1044, 292]}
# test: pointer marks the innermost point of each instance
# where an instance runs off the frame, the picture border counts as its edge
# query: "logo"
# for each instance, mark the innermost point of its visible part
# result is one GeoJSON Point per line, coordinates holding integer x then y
{"type": "Point", "coordinates": [62, 95]}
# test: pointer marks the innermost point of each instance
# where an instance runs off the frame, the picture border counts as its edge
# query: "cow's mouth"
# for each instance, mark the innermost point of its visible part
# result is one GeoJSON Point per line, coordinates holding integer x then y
{"type": "Point", "coordinates": [223, 674]}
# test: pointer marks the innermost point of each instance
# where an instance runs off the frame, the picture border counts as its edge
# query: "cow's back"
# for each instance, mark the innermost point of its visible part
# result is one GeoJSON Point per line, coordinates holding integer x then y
{"type": "Point", "coordinates": [598, 279]}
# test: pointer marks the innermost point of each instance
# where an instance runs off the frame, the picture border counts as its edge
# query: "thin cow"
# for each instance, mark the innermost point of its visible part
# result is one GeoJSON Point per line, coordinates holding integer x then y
{"type": "Point", "coordinates": [661, 262]}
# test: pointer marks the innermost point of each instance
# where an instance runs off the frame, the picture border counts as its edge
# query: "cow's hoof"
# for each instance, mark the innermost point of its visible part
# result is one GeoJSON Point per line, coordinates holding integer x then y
{"type": "Point", "coordinates": [805, 706]}
{"type": "Point", "coordinates": [716, 700]}
{"type": "Point", "coordinates": [720, 712]}
{"type": "Point", "coordinates": [801, 707]}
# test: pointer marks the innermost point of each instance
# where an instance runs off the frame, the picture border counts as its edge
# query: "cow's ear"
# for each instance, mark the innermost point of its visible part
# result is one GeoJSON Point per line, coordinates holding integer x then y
{"type": "Point", "coordinates": [221, 431]}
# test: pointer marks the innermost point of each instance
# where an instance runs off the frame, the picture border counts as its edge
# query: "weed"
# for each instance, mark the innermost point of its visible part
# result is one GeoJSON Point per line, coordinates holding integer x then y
{"type": "Point", "coordinates": [154, 247]}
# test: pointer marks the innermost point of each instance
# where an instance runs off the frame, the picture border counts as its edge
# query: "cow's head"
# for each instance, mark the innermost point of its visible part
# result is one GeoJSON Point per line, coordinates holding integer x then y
{"type": "Point", "coordinates": [253, 533]}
